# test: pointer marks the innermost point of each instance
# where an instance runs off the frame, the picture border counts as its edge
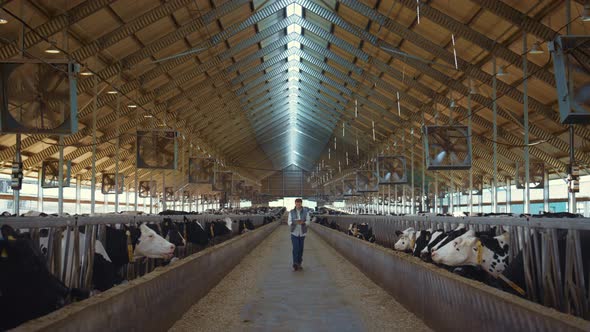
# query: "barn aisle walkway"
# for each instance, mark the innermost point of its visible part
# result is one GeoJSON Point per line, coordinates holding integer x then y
{"type": "Point", "coordinates": [263, 293]}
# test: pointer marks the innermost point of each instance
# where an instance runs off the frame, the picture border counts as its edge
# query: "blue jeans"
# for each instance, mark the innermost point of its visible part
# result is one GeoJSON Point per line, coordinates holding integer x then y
{"type": "Point", "coordinates": [297, 242]}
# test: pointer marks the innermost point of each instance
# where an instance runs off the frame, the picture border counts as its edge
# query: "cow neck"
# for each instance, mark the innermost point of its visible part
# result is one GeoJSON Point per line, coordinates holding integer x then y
{"type": "Point", "coordinates": [492, 262]}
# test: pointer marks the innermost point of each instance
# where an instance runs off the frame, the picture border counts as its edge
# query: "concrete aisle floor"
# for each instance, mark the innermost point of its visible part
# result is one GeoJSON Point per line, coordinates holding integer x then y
{"type": "Point", "coordinates": [263, 293]}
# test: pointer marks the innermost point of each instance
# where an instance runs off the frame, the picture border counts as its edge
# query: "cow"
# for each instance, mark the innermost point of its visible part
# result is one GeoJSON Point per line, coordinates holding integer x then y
{"type": "Point", "coordinates": [151, 245]}
{"type": "Point", "coordinates": [104, 274]}
{"type": "Point", "coordinates": [196, 233]}
{"type": "Point", "coordinates": [422, 239]}
{"type": "Point", "coordinates": [219, 230]}
{"type": "Point", "coordinates": [490, 253]}
{"type": "Point", "coordinates": [27, 289]}
{"type": "Point", "coordinates": [361, 231]}
{"type": "Point", "coordinates": [406, 240]}
{"type": "Point", "coordinates": [439, 239]}
{"type": "Point", "coordinates": [245, 226]}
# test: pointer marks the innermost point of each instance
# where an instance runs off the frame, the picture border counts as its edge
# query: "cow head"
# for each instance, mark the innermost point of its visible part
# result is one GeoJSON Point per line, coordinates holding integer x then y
{"type": "Point", "coordinates": [406, 239]}
{"type": "Point", "coordinates": [460, 251]}
{"type": "Point", "coordinates": [152, 245]}
{"type": "Point", "coordinates": [228, 223]}
{"type": "Point", "coordinates": [172, 233]}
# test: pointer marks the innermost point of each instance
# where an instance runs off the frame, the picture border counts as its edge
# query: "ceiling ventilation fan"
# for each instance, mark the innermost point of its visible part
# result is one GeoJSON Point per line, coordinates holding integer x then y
{"type": "Point", "coordinates": [349, 186]}
{"type": "Point", "coordinates": [157, 149]}
{"type": "Point", "coordinates": [447, 147]}
{"type": "Point", "coordinates": [239, 187]}
{"type": "Point", "coordinates": [201, 170]}
{"type": "Point", "coordinates": [536, 175]}
{"type": "Point", "coordinates": [50, 173]}
{"type": "Point", "coordinates": [147, 188]}
{"type": "Point", "coordinates": [223, 182]}
{"type": "Point", "coordinates": [392, 170]}
{"type": "Point", "coordinates": [38, 97]}
{"type": "Point", "coordinates": [367, 181]}
{"type": "Point", "coordinates": [169, 194]}
{"type": "Point", "coordinates": [108, 184]}
{"type": "Point", "coordinates": [568, 53]}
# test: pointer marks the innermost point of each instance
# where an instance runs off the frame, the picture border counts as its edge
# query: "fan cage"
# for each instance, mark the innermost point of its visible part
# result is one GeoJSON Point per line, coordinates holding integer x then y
{"type": "Point", "coordinates": [201, 170]}
{"type": "Point", "coordinates": [367, 181]}
{"type": "Point", "coordinates": [381, 169]}
{"type": "Point", "coordinates": [536, 172]}
{"type": "Point", "coordinates": [9, 124]}
{"type": "Point", "coordinates": [150, 191]}
{"type": "Point", "coordinates": [161, 137]}
{"type": "Point", "coordinates": [108, 184]}
{"type": "Point", "coordinates": [47, 170]}
{"type": "Point", "coordinates": [458, 132]}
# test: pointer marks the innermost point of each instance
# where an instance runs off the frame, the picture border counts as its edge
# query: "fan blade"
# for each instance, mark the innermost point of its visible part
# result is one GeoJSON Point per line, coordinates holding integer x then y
{"type": "Point", "coordinates": [440, 157]}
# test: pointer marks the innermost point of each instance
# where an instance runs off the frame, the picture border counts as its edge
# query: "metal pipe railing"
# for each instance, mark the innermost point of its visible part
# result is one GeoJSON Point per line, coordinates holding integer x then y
{"type": "Point", "coordinates": [553, 264]}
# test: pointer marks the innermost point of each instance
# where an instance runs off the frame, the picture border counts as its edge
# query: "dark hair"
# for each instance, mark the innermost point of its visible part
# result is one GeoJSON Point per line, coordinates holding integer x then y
{"type": "Point", "coordinates": [298, 200]}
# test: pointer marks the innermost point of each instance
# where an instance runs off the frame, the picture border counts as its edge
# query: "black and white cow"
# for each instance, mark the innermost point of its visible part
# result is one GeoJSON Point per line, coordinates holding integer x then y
{"type": "Point", "coordinates": [361, 231]}
{"type": "Point", "coordinates": [245, 226]}
{"type": "Point", "coordinates": [27, 289]}
{"type": "Point", "coordinates": [490, 253]}
{"type": "Point", "coordinates": [439, 239]}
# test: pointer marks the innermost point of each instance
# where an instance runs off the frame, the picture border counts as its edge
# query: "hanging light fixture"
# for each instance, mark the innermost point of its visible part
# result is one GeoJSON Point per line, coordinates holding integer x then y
{"type": "Point", "coordinates": [112, 92]}
{"type": "Point", "coordinates": [586, 12]}
{"type": "Point", "coordinates": [132, 106]}
{"type": "Point", "coordinates": [86, 72]}
{"type": "Point", "coordinates": [502, 72]}
{"type": "Point", "coordinates": [3, 20]}
{"type": "Point", "coordinates": [536, 48]}
{"type": "Point", "coordinates": [52, 49]}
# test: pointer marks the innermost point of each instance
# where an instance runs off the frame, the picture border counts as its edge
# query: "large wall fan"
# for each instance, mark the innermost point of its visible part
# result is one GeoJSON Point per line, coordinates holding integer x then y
{"type": "Point", "coordinates": [147, 188]}
{"type": "Point", "coordinates": [367, 181]}
{"type": "Point", "coordinates": [169, 194]}
{"type": "Point", "coordinates": [156, 149]}
{"type": "Point", "coordinates": [38, 97]}
{"type": "Point", "coordinates": [50, 173]}
{"type": "Point", "coordinates": [447, 147]}
{"type": "Point", "coordinates": [201, 170]}
{"type": "Point", "coordinates": [223, 182]}
{"type": "Point", "coordinates": [349, 186]}
{"type": "Point", "coordinates": [392, 170]}
{"type": "Point", "coordinates": [239, 187]}
{"type": "Point", "coordinates": [574, 101]}
{"type": "Point", "coordinates": [536, 175]}
{"type": "Point", "coordinates": [108, 184]}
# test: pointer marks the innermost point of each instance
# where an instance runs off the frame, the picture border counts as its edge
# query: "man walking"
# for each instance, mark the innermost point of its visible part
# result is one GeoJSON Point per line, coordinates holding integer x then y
{"type": "Point", "coordinates": [299, 220]}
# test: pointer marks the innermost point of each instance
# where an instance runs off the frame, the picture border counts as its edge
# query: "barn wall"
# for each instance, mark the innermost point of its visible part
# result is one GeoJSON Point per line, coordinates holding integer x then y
{"type": "Point", "coordinates": [443, 300]}
{"type": "Point", "coordinates": [157, 300]}
{"type": "Point", "coordinates": [290, 182]}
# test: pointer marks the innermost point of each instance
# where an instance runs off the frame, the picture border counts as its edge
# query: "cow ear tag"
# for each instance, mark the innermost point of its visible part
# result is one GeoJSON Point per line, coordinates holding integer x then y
{"type": "Point", "coordinates": [129, 246]}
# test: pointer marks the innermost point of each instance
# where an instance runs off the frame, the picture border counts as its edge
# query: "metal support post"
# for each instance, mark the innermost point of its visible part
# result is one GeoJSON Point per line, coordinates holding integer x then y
{"type": "Point", "coordinates": [525, 105]}
{"type": "Point", "coordinates": [78, 193]}
{"type": "Point", "coordinates": [60, 189]}
{"type": "Point", "coordinates": [495, 138]}
{"type": "Point", "coordinates": [508, 195]}
{"type": "Point", "coordinates": [39, 191]}
{"type": "Point", "coordinates": [93, 171]}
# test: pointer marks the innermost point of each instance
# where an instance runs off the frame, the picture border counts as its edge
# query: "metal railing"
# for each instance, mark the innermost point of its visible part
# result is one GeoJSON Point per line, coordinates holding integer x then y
{"type": "Point", "coordinates": [556, 272]}
{"type": "Point", "coordinates": [76, 271]}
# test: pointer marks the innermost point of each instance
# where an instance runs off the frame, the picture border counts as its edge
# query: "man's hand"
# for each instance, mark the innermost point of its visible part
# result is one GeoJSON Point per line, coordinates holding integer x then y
{"type": "Point", "coordinates": [300, 222]}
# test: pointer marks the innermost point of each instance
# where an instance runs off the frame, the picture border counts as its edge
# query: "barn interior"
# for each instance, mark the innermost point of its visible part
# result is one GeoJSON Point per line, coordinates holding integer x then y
{"type": "Point", "coordinates": [366, 108]}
